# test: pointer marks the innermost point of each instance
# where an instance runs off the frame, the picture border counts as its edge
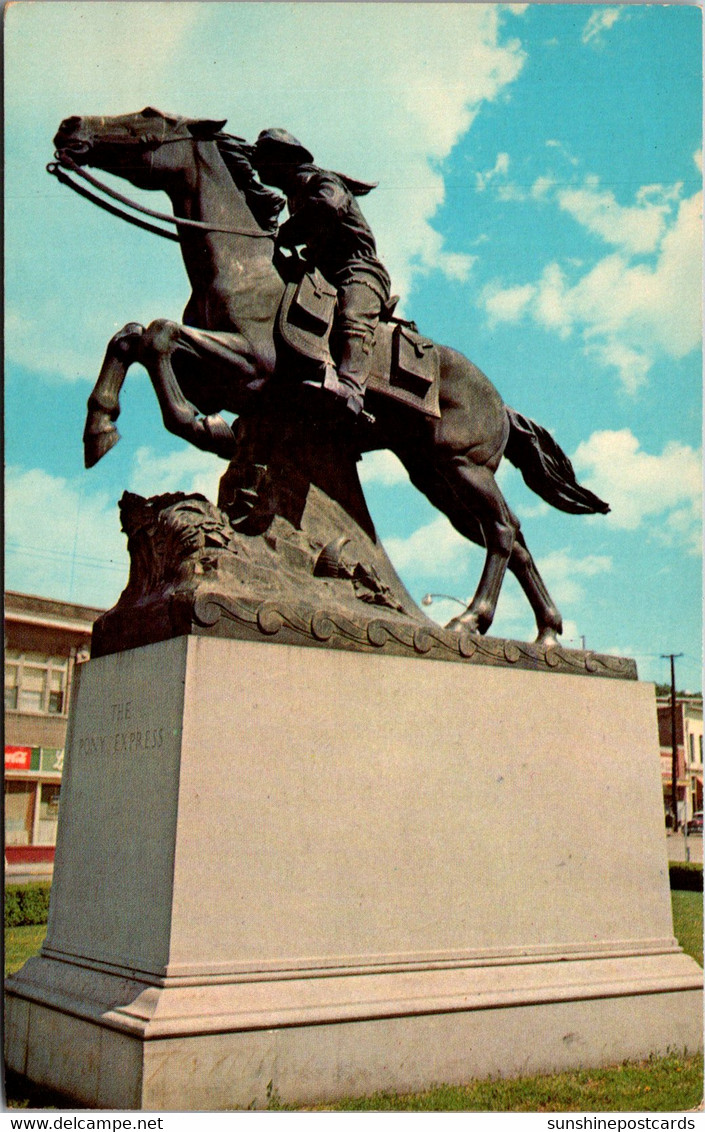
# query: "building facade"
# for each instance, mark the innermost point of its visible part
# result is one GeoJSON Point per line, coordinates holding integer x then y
{"type": "Point", "coordinates": [689, 746]}
{"type": "Point", "coordinates": [44, 641]}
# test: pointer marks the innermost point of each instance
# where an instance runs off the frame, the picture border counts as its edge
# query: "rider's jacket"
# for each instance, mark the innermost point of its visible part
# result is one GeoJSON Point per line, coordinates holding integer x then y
{"type": "Point", "coordinates": [325, 217]}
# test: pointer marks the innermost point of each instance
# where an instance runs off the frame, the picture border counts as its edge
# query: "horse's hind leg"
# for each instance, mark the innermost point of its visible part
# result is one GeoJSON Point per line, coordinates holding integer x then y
{"type": "Point", "coordinates": [100, 433]}
{"type": "Point", "coordinates": [548, 619]}
{"type": "Point", "coordinates": [474, 488]}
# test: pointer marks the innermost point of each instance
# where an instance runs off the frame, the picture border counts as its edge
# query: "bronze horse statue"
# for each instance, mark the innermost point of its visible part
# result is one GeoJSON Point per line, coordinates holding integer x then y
{"type": "Point", "coordinates": [223, 356]}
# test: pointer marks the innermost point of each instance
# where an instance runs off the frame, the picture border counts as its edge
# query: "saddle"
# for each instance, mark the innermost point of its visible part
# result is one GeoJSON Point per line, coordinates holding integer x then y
{"type": "Point", "coordinates": [405, 364]}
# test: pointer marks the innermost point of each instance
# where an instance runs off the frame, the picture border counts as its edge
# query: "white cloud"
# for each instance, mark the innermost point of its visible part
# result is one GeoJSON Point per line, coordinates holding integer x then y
{"type": "Point", "coordinates": [432, 550]}
{"type": "Point", "coordinates": [552, 309]}
{"type": "Point", "coordinates": [383, 468]}
{"type": "Point", "coordinates": [642, 486]}
{"type": "Point", "coordinates": [507, 305]}
{"type": "Point", "coordinates": [61, 540]}
{"type": "Point", "coordinates": [636, 229]}
{"type": "Point", "coordinates": [28, 345]}
{"type": "Point", "coordinates": [429, 98]}
{"type": "Point", "coordinates": [599, 22]}
{"type": "Point", "coordinates": [499, 169]}
{"type": "Point", "coordinates": [628, 313]}
{"type": "Point", "coordinates": [632, 364]}
{"type": "Point", "coordinates": [510, 192]}
{"type": "Point", "coordinates": [189, 471]}
{"type": "Point", "coordinates": [66, 353]}
{"type": "Point", "coordinates": [541, 187]}
{"type": "Point", "coordinates": [106, 53]}
{"type": "Point", "coordinates": [560, 147]}
{"type": "Point", "coordinates": [563, 573]}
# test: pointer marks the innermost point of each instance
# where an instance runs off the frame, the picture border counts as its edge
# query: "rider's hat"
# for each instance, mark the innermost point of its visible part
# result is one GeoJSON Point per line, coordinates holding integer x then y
{"type": "Point", "coordinates": [279, 147]}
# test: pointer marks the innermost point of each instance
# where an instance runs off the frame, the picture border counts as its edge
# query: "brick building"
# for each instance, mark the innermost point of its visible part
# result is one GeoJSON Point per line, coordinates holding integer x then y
{"type": "Point", "coordinates": [44, 640]}
{"type": "Point", "coordinates": [689, 744]}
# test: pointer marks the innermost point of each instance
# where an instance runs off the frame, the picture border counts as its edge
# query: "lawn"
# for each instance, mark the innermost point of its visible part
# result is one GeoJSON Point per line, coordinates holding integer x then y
{"type": "Point", "coordinates": [21, 944]}
{"type": "Point", "coordinates": [667, 1084]}
{"type": "Point", "coordinates": [688, 922]}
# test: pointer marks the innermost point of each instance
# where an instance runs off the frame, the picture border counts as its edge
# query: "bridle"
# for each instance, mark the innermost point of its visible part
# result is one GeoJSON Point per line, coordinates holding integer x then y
{"type": "Point", "coordinates": [64, 164]}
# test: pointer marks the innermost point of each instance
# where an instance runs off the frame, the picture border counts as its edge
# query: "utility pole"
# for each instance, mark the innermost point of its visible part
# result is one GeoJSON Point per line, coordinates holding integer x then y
{"type": "Point", "coordinates": [672, 656]}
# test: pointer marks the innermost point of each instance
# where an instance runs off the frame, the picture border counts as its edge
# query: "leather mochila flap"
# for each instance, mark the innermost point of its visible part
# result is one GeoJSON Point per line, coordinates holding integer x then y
{"type": "Point", "coordinates": [411, 358]}
{"type": "Point", "coordinates": [313, 304]}
{"type": "Point", "coordinates": [413, 382]}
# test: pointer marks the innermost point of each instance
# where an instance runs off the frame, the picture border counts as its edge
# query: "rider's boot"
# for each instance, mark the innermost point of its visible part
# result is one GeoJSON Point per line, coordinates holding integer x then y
{"type": "Point", "coordinates": [349, 381]}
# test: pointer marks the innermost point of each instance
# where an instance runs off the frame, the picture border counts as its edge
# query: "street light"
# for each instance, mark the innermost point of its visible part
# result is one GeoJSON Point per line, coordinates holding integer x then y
{"type": "Point", "coordinates": [427, 599]}
{"type": "Point", "coordinates": [573, 640]}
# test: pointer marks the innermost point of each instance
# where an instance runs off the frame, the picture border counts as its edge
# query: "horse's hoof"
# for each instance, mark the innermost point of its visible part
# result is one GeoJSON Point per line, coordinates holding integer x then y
{"type": "Point", "coordinates": [459, 626]}
{"type": "Point", "coordinates": [96, 444]}
{"type": "Point", "coordinates": [221, 436]}
{"type": "Point", "coordinates": [548, 638]}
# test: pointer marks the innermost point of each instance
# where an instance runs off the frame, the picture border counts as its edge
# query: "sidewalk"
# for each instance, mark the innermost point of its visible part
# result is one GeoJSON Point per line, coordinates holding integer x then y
{"type": "Point", "coordinates": [676, 846]}
{"type": "Point", "coordinates": [24, 874]}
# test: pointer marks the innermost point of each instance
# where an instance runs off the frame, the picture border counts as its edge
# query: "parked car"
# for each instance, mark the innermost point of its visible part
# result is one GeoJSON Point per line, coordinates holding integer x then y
{"type": "Point", "coordinates": [695, 825]}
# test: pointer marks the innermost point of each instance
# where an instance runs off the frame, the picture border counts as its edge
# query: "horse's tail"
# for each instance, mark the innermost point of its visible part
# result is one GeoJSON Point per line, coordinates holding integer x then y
{"type": "Point", "coordinates": [546, 468]}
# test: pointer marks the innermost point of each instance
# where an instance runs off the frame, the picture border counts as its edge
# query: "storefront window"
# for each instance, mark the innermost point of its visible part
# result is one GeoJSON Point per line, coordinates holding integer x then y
{"type": "Point", "coordinates": [48, 813]}
{"type": "Point", "coordinates": [32, 688]}
{"type": "Point", "coordinates": [35, 683]}
{"type": "Point", "coordinates": [56, 691]}
{"type": "Point", "coordinates": [11, 682]}
{"type": "Point", "coordinates": [19, 812]}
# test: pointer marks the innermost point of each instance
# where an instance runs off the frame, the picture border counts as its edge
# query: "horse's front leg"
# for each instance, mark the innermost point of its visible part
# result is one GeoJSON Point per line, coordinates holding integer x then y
{"type": "Point", "coordinates": [156, 348]}
{"type": "Point", "coordinates": [100, 433]}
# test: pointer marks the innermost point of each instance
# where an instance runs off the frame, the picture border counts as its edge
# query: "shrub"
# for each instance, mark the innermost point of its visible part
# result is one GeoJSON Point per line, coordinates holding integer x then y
{"type": "Point", "coordinates": [26, 904]}
{"type": "Point", "coordinates": [13, 912]}
{"type": "Point", "coordinates": [686, 875]}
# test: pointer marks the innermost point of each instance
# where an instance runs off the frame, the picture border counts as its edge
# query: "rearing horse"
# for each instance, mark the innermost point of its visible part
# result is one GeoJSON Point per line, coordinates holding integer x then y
{"type": "Point", "coordinates": [223, 356]}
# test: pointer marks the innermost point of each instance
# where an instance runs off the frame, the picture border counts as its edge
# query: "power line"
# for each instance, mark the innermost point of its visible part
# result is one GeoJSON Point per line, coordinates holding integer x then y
{"type": "Point", "coordinates": [45, 553]}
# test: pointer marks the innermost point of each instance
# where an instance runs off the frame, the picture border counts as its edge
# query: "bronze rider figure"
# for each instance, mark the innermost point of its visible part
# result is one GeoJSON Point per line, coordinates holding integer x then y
{"type": "Point", "coordinates": [326, 220]}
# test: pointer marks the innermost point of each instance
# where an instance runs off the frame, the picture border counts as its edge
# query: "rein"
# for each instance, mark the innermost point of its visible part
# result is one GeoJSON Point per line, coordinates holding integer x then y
{"type": "Point", "coordinates": [64, 164]}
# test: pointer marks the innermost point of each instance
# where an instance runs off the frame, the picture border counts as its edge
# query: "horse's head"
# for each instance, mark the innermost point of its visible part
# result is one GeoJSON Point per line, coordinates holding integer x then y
{"type": "Point", "coordinates": [136, 146]}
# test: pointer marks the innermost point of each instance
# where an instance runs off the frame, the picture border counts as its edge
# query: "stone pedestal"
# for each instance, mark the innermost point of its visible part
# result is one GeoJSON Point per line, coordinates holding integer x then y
{"type": "Point", "coordinates": [316, 873]}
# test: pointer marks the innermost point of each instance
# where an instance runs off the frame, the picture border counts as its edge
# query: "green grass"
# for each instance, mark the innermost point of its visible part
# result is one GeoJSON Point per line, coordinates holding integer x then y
{"type": "Point", "coordinates": [667, 1084]}
{"type": "Point", "coordinates": [688, 922]}
{"type": "Point", "coordinates": [21, 944]}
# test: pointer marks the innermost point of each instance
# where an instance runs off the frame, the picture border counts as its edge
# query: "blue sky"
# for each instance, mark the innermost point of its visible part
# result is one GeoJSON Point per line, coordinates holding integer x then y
{"type": "Point", "coordinates": [540, 173]}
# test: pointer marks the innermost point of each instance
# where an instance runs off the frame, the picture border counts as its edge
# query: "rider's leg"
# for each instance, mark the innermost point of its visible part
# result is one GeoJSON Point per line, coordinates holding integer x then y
{"type": "Point", "coordinates": [359, 308]}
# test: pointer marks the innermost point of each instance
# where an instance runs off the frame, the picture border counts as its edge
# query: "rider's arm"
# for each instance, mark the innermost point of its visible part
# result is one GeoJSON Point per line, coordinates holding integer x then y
{"type": "Point", "coordinates": [327, 200]}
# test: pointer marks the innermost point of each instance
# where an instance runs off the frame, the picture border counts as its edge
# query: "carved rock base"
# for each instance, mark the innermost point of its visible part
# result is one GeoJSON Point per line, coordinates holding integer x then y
{"type": "Point", "coordinates": [195, 572]}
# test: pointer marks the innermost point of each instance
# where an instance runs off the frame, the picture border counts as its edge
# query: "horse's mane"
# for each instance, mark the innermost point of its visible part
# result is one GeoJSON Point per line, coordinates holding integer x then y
{"type": "Point", "coordinates": [264, 204]}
